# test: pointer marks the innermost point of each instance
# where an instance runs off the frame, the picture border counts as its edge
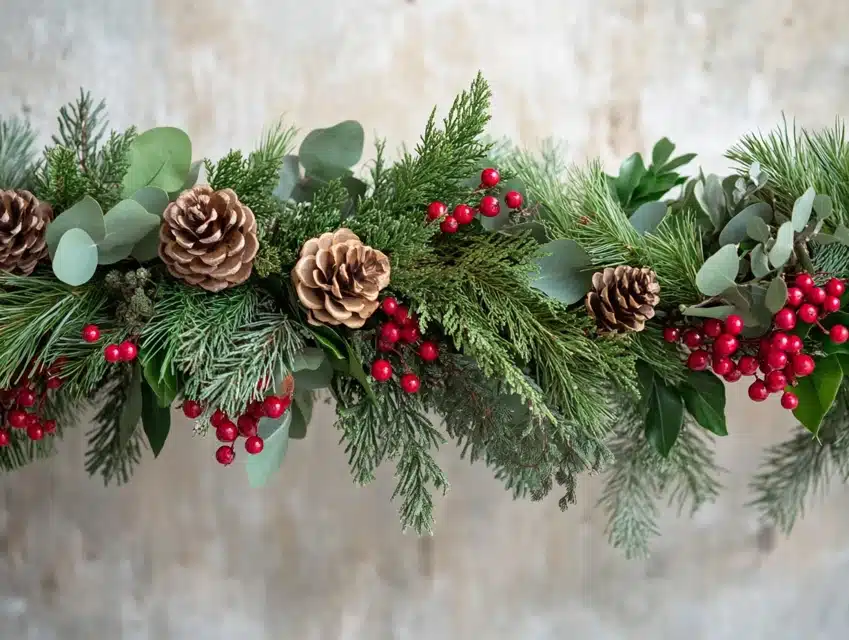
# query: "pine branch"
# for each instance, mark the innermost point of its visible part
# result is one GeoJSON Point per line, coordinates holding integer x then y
{"type": "Point", "coordinates": [17, 154]}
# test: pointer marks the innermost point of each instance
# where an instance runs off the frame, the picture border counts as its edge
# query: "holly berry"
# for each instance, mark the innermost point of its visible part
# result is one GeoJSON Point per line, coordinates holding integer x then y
{"type": "Point", "coordinates": [112, 353]}
{"type": "Point", "coordinates": [5, 438]}
{"type": "Point", "coordinates": [35, 431]}
{"type": "Point", "coordinates": [381, 370]}
{"type": "Point", "coordinates": [789, 400]}
{"type": "Point", "coordinates": [225, 455]}
{"type": "Point", "coordinates": [227, 432]}
{"type": "Point", "coordinates": [815, 295]}
{"type": "Point", "coordinates": [490, 177]}
{"type": "Point", "coordinates": [128, 351]}
{"type": "Point", "coordinates": [17, 419]}
{"type": "Point", "coordinates": [831, 304]}
{"type": "Point", "coordinates": [26, 398]}
{"type": "Point", "coordinates": [513, 199]}
{"type": "Point", "coordinates": [838, 334]}
{"type": "Point", "coordinates": [218, 418]}
{"type": "Point", "coordinates": [449, 225]}
{"type": "Point", "coordinates": [722, 365]}
{"type": "Point", "coordinates": [804, 282]}
{"type": "Point", "coordinates": [489, 206]}
{"type": "Point", "coordinates": [698, 360]}
{"type": "Point", "coordinates": [410, 334]}
{"type": "Point", "coordinates": [671, 334]}
{"type": "Point", "coordinates": [776, 359]}
{"type": "Point", "coordinates": [410, 382]}
{"type": "Point", "coordinates": [401, 315]}
{"type": "Point", "coordinates": [785, 319]}
{"type": "Point", "coordinates": [389, 332]}
{"type": "Point", "coordinates": [758, 391]}
{"type": "Point", "coordinates": [795, 296]}
{"type": "Point", "coordinates": [835, 287]}
{"type": "Point", "coordinates": [794, 344]}
{"type": "Point", "coordinates": [803, 365]}
{"type": "Point", "coordinates": [192, 409]}
{"type": "Point", "coordinates": [780, 341]}
{"type": "Point", "coordinates": [275, 406]}
{"type": "Point", "coordinates": [747, 365]}
{"type": "Point", "coordinates": [733, 376]}
{"type": "Point", "coordinates": [775, 381]}
{"type": "Point", "coordinates": [32, 419]}
{"type": "Point", "coordinates": [734, 325]}
{"type": "Point", "coordinates": [428, 351]}
{"type": "Point", "coordinates": [463, 214]}
{"type": "Point", "coordinates": [254, 445]}
{"type": "Point", "coordinates": [389, 306]}
{"type": "Point", "coordinates": [54, 382]}
{"type": "Point", "coordinates": [247, 425]}
{"type": "Point", "coordinates": [807, 313]}
{"type": "Point", "coordinates": [49, 426]}
{"type": "Point", "coordinates": [436, 210]}
{"type": "Point", "coordinates": [91, 333]}
{"type": "Point", "coordinates": [725, 345]}
{"type": "Point", "coordinates": [256, 409]}
{"type": "Point", "coordinates": [712, 327]}
{"type": "Point", "coordinates": [693, 338]}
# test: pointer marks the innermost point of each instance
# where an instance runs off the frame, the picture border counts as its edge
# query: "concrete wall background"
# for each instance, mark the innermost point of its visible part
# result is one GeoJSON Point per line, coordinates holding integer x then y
{"type": "Point", "coordinates": [187, 551]}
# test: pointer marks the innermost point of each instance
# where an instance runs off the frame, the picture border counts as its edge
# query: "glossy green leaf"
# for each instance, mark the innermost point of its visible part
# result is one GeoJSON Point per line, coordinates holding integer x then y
{"type": "Point", "coordinates": [802, 209]}
{"type": "Point", "coordinates": [153, 199]}
{"type": "Point", "coordinates": [160, 157]}
{"type": "Point", "coordinates": [675, 163]}
{"type": "Point", "coordinates": [648, 217]}
{"type": "Point", "coordinates": [85, 214]}
{"type": "Point", "coordinates": [783, 247]}
{"type": "Point", "coordinates": [823, 206]}
{"type": "Point", "coordinates": [719, 271]}
{"type": "Point", "coordinates": [329, 341]}
{"type": "Point", "coordinates": [704, 397]}
{"type": "Point", "coordinates": [337, 147]}
{"type": "Point", "coordinates": [131, 410]}
{"type": "Point", "coordinates": [776, 295]}
{"type": "Point", "coordinates": [722, 311]}
{"type": "Point", "coordinates": [661, 152]}
{"type": "Point", "coordinates": [310, 358]}
{"type": "Point", "coordinates": [759, 262]}
{"type": "Point", "coordinates": [566, 274]}
{"type": "Point", "coordinates": [817, 392]}
{"type": "Point", "coordinates": [301, 414]}
{"type": "Point", "coordinates": [664, 416]}
{"type": "Point", "coordinates": [318, 378]}
{"type": "Point", "coordinates": [758, 230]}
{"type": "Point", "coordinates": [156, 419]}
{"type": "Point", "coordinates": [75, 260]}
{"type": "Point", "coordinates": [737, 228]}
{"type": "Point", "coordinates": [631, 172]}
{"type": "Point", "coordinates": [275, 434]}
{"type": "Point", "coordinates": [358, 372]}
{"type": "Point", "coordinates": [290, 173]}
{"type": "Point", "coordinates": [159, 376]}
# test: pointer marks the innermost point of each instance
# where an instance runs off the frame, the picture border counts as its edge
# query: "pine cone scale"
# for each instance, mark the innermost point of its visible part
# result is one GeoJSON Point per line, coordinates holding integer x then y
{"type": "Point", "coordinates": [622, 299]}
{"type": "Point", "coordinates": [23, 228]}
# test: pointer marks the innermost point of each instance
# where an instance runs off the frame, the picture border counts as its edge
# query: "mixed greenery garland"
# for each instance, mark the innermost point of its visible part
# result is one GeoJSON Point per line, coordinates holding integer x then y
{"type": "Point", "coordinates": [564, 333]}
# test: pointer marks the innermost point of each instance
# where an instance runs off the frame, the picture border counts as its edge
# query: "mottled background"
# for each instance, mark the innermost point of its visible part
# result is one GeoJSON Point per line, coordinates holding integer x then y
{"type": "Point", "coordinates": [187, 551]}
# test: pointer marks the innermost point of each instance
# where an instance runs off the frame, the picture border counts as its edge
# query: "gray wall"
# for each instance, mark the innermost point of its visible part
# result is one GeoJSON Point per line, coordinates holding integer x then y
{"type": "Point", "coordinates": [187, 551]}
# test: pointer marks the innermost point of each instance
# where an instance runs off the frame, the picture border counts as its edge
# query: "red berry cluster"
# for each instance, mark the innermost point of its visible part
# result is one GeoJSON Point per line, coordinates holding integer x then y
{"type": "Point", "coordinates": [463, 214]}
{"type": "Point", "coordinates": [809, 303]}
{"type": "Point", "coordinates": [127, 351]}
{"type": "Point", "coordinates": [401, 329]}
{"type": "Point", "coordinates": [22, 406]}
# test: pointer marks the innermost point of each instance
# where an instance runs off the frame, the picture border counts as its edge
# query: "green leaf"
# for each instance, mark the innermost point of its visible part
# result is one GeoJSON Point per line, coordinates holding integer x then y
{"type": "Point", "coordinates": [358, 372]}
{"type": "Point", "coordinates": [704, 396]}
{"type": "Point", "coordinates": [759, 261]}
{"type": "Point", "coordinates": [76, 258]}
{"type": "Point", "coordinates": [661, 152]}
{"type": "Point", "coordinates": [735, 231]}
{"type": "Point", "coordinates": [802, 209]}
{"type": "Point", "coordinates": [758, 230]}
{"type": "Point", "coordinates": [566, 274]}
{"type": "Point", "coordinates": [648, 216]}
{"type": "Point", "coordinates": [85, 214]}
{"type": "Point", "coordinates": [783, 247]}
{"type": "Point", "coordinates": [823, 238]}
{"type": "Point", "coordinates": [719, 271]}
{"type": "Point", "coordinates": [160, 377]}
{"type": "Point", "coordinates": [127, 223]}
{"type": "Point", "coordinates": [275, 434]}
{"type": "Point", "coordinates": [838, 317]}
{"type": "Point", "coordinates": [817, 392]}
{"type": "Point", "coordinates": [148, 248]}
{"type": "Point", "coordinates": [310, 358]}
{"type": "Point", "coordinates": [160, 157]}
{"type": "Point", "coordinates": [192, 176]}
{"type": "Point", "coordinates": [301, 414]}
{"type": "Point", "coordinates": [503, 218]}
{"type": "Point", "coordinates": [533, 227]}
{"type": "Point", "coordinates": [823, 206]}
{"type": "Point", "coordinates": [318, 378]}
{"type": "Point", "coordinates": [722, 311]}
{"type": "Point", "coordinates": [776, 295]}
{"type": "Point", "coordinates": [664, 416]}
{"type": "Point", "coordinates": [131, 410]}
{"type": "Point", "coordinates": [680, 161]}
{"type": "Point", "coordinates": [337, 147]}
{"type": "Point", "coordinates": [841, 233]}
{"type": "Point", "coordinates": [711, 198]}
{"type": "Point", "coordinates": [329, 341]}
{"type": "Point", "coordinates": [156, 419]}
{"type": "Point", "coordinates": [631, 172]}
{"type": "Point", "coordinates": [153, 199]}
{"type": "Point", "coordinates": [290, 173]}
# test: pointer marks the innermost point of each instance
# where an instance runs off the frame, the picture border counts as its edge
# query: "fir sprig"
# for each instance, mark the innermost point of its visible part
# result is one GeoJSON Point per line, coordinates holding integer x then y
{"type": "Point", "coordinates": [17, 154]}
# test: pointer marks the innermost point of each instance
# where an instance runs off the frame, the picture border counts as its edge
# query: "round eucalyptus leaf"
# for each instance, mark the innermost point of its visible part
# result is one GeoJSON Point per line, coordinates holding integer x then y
{"type": "Point", "coordinates": [758, 230]}
{"type": "Point", "coordinates": [75, 260]}
{"type": "Point", "coordinates": [776, 295]}
{"type": "Point", "coordinates": [126, 224]}
{"type": "Point", "coordinates": [802, 209]}
{"type": "Point", "coordinates": [719, 271]}
{"type": "Point", "coordinates": [275, 434]}
{"type": "Point", "coordinates": [737, 228]}
{"type": "Point", "coordinates": [823, 206]}
{"type": "Point", "coordinates": [648, 217]}
{"type": "Point", "coordinates": [339, 146]}
{"type": "Point", "coordinates": [566, 274]}
{"type": "Point", "coordinates": [783, 247]}
{"type": "Point", "coordinates": [160, 157]}
{"type": "Point", "coordinates": [153, 199]}
{"type": "Point", "coordinates": [85, 214]}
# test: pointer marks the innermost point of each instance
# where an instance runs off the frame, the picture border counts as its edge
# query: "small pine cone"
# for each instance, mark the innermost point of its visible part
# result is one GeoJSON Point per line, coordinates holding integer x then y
{"type": "Point", "coordinates": [208, 238]}
{"type": "Point", "coordinates": [622, 299]}
{"type": "Point", "coordinates": [338, 279]}
{"type": "Point", "coordinates": [23, 228]}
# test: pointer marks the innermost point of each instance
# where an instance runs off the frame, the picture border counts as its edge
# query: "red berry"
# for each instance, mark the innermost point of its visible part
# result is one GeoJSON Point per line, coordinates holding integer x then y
{"type": "Point", "coordinates": [31, 419]}
{"type": "Point", "coordinates": [436, 210]}
{"type": "Point", "coordinates": [803, 365]}
{"type": "Point", "coordinates": [449, 225]}
{"type": "Point", "coordinates": [780, 341]}
{"type": "Point", "coordinates": [256, 409]}
{"type": "Point", "coordinates": [49, 426]}
{"type": "Point", "coordinates": [463, 214]}
{"type": "Point", "coordinates": [733, 376]}
{"type": "Point", "coordinates": [389, 332]}
{"type": "Point", "coordinates": [91, 333]}
{"type": "Point", "coordinates": [490, 177]}
{"type": "Point", "coordinates": [26, 398]}
{"type": "Point", "coordinates": [410, 382]}
{"type": "Point", "coordinates": [747, 365]}
{"type": "Point", "coordinates": [815, 295]}
{"type": "Point", "coordinates": [838, 334]}
{"type": "Point", "coordinates": [722, 365]}
{"type": "Point", "coordinates": [227, 432]}
{"type": "Point", "coordinates": [725, 345]}
{"type": "Point", "coordinates": [192, 409]}
{"type": "Point", "coordinates": [428, 351]}
{"type": "Point", "coordinates": [5, 438]}
{"type": "Point", "coordinates": [513, 199]}
{"type": "Point", "coordinates": [112, 353]}
{"type": "Point", "coordinates": [35, 431]}
{"type": "Point", "coordinates": [671, 334]}
{"type": "Point", "coordinates": [785, 319]}
{"type": "Point", "coordinates": [17, 419]}
{"type": "Point", "coordinates": [794, 344]}
{"type": "Point", "coordinates": [247, 425]}
{"type": "Point", "coordinates": [225, 455]}
{"type": "Point", "coordinates": [698, 360]}
{"type": "Point", "coordinates": [381, 370]}
{"type": "Point", "coordinates": [776, 359]}
{"type": "Point", "coordinates": [789, 400]}
{"type": "Point", "coordinates": [128, 351]}
{"type": "Point", "coordinates": [254, 445]}
{"type": "Point", "coordinates": [489, 206]}
{"type": "Point", "coordinates": [831, 304]}
{"type": "Point", "coordinates": [382, 345]}
{"type": "Point", "coordinates": [795, 296]}
{"type": "Point", "coordinates": [804, 282]}
{"type": "Point", "coordinates": [712, 327]}
{"type": "Point", "coordinates": [218, 418]}
{"type": "Point", "coordinates": [693, 338]}
{"type": "Point", "coordinates": [807, 313]}
{"type": "Point", "coordinates": [275, 406]}
{"type": "Point", "coordinates": [734, 325]}
{"type": "Point", "coordinates": [401, 316]}
{"type": "Point", "coordinates": [835, 287]}
{"type": "Point", "coordinates": [389, 306]}
{"type": "Point", "coordinates": [410, 334]}
{"type": "Point", "coordinates": [54, 382]}
{"type": "Point", "coordinates": [758, 391]}
{"type": "Point", "coordinates": [775, 381]}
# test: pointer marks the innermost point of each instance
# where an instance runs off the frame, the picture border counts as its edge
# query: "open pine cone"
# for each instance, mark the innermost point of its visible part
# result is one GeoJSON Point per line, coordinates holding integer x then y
{"type": "Point", "coordinates": [208, 238]}
{"type": "Point", "coordinates": [338, 279]}
{"type": "Point", "coordinates": [23, 228]}
{"type": "Point", "coordinates": [622, 299]}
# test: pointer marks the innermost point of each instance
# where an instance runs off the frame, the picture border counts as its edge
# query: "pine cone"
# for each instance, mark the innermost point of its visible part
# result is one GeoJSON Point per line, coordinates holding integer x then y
{"type": "Point", "coordinates": [622, 299]}
{"type": "Point", "coordinates": [208, 238]}
{"type": "Point", "coordinates": [23, 225]}
{"type": "Point", "coordinates": [338, 278]}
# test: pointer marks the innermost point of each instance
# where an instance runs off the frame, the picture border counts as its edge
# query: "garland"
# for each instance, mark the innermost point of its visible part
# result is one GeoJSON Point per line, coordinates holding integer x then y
{"type": "Point", "coordinates": [558, 321]}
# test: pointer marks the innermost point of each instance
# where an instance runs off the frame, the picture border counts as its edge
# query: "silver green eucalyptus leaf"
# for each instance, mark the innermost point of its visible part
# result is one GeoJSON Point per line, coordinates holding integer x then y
{"type": "Point", "coordinates": [824, 238]}
{"type": "Point", "coordinates": [759, 261]}
{"type": "Point", "coordinates": [802, 209]}
{"type": "Point", "coordinates": [711, 198]}
{"type": "Point", "coordinates": [735, 231]}
{"type": "Point", "coordinates": [823, 206]}
{"type": "Point", "coordinates": [648, 217]}
{"type": "Point", "coordinates": [842, 234]}
{"type": "Point", "coordinates": [776, 295]}
{"type": "Point", "coordinates": [758, 230]}
{"type": "Point", "coordinates": [720, 312]}
{"type": "Point", "coordinates": [783, 247]}
{"type": "Point", "coordinates": [719, 271]}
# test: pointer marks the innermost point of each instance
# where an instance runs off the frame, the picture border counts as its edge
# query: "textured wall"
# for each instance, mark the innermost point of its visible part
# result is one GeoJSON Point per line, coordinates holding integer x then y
{"type": "Point", "coordinates": [187, 551]}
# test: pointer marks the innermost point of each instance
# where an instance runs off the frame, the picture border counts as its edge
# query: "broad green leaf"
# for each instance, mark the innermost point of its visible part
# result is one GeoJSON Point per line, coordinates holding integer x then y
{"type": "Point", "coordinates": [783, 247]}
{"type": "Point", "coordinates": [823, 206]}
{"type": "Point", "coordinates": [722, 311]}
{"type": "Point", "coordinates": [661, 152]}
{"type": "Point", "coordinates": [841, 233]}
{"type": "Point", "coordinates": [193, 175]}
{"type": "Point", "coordinates": [85, 214]}
{"type": "Point", "coordinates": [735, 231]}
{"type": "Point", "coordinates": [719, 271]}
{"type": "Point", "coordinates": [680, 161]}
{"type": "Point", "coordinates": [339, 147]}
{"type": "Point", "coordinates": [759, 262]}
{"type": "Point", "coordinates": [704, 396]}
{"type": "Point", "coordinates": [358, 372]}
{"type": "Point", "coordinates": [153, 199]}
{"type": "Point", "coordinates": [148, 247]}
{"type": "Point", "coordinates": [664, 416]}
{"type": "Point", "coordinates": [111, 255]}
{"type": "Point", "coordinates": [156, 419]}
{"type": "Point", "coordinates": [161, 379]}
{"type": "Point", "coordinates": [711, 198]}
{"type": "Point", "coordinates": [75, 260]}
{"type": "Point", "coordinates": [127, 223]}
{"type": "Point", "coordinates": [329, 341]}
{"type": "Point", "coordinates": [776, 295]}
{"type": "Point", "coordinates": [566, 274]}
{"type": "Point", "coordinates": [310, 358]}
{"type": "Point", "coordinates": [131, 410]}
{"type": "Point", "coordinates": [817, 392]}
{"type": "Point", "coordinates": [301, 414]}
{"type": "Point", "coordinates": [160, 157]}
{"type": "Point", "coordinates": [533, 227]}
{"type": "Point", "coordinates": [802, 209]}
{"type": "Point", "coordinates": [318, 378]}
{"type": "Point", "coordinates": [631, 172]}
{"type": "Point", "coordinates": [290, 173]}
{"type": "Point", "coordinates": [275, 434]}
{"type": "Point", "coordinates": [648, 216]}
{"type": "Point", "coordinates": [758, 230]}
{"type": "Point", "coordinates": [823, 238]}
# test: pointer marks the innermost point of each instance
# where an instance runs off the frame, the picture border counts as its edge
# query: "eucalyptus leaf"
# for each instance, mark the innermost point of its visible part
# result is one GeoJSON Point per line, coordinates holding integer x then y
{"type": "Point", "coordinates": [75, 260]}
{"type": "Point", "coordinates": [704, 397]}
{"type": "Point", "coordinates": [310, 358]}
{"type": "Point", "coordinates": [648, 217]}
{"type": "Point", "coordinates": [711, 198]}
{"type": "Point", "coordinates": [758, 230]}
{"type": "Point", "coordinates": [565, 274]}
{"type": "Point", "coordinates": [127, 223]}
{"type": "Point", "coordinates": [719, 271]}
{"type": "Point", "coordinates": [313, 379]}
{"type": "Point", "coordinates": [290, 173]}
{"type": "Point", "coordinates": [160, 157]}
{"type": "Point", "coordinates": [823, 206]}
{"type": "Point", "coordinates": [275, 435]}
{"type": "Point", "coordinates": [156, 419]}
{"type": "Point", "coordinates": [153, 199]}
{"type": "Point", "coordinates": [85, 214]}
{"type": "Point", "coordinates": [776, 295]}
{"type": "Point", "coordinates": [817, 392]}
{"type": "Point", "coordinates": [802, 209]}
{"type": "Point", "coordinates": [759, 262]}
{"type": "Point", "coordinates": [783, 247]}
{"type": "Point", "coordinates": [631, 172]}
{"type": "Point", "coordinates": [735, 231]}
{"type": "Point", "coordinates": [536, 229]}
{"type": "Point", "coordinates": [338, 147]}
{"type": "Point", "coordinates": [722, 311]}
{"type": "Point", "coordinates": [823, 238]}
{"type": "Point", "coordinates": [841, 233]}
{"type": "Point", "coordinates": [301, 413]}
{"type": "Point", "coordinates": [113, 254]}
{"type": "Point", "coordinates": [148, 248]}
{"type": "Point", "coordinates": [661, 152]}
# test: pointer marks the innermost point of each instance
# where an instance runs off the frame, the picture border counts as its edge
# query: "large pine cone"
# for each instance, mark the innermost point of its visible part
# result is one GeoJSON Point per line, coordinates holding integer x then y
{"type": "Point", "coordinates": [23, 225]}
{"type": "Point", "coordinates": [623, 299]}
{"type": "Point", "coordinates": [208, 238]}
{"type": "Point", "coordinates": [338, 279]}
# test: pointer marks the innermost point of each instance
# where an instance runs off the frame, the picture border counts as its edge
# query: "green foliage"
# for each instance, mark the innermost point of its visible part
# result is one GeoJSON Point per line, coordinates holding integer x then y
{"type": "Point", "coordinates": [17, 154]}
{"type": "Point", "coordinates": [159, 157]}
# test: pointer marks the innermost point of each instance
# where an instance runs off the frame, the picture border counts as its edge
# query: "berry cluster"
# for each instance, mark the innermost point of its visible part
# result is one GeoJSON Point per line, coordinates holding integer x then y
{"type": "Point", "coordinates": [401, 329]}
{"type": "Point", "coordinates": [127, 351]}
{"type": "Point", "coordinates": [22, 406]}
{"type": "Point", "coordinates": [463, 214]}
{"type": "Point", "coordinates": [809, 303]}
